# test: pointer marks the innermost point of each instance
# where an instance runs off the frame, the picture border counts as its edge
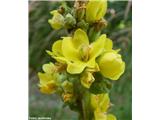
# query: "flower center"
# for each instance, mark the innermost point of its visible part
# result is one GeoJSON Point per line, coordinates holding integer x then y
{"type": "Point", "coordinates": [84, 52]}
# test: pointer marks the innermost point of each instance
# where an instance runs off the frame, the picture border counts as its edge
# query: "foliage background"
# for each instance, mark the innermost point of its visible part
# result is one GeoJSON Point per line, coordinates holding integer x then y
{"type": "Point", "coordinates": [41, 37]}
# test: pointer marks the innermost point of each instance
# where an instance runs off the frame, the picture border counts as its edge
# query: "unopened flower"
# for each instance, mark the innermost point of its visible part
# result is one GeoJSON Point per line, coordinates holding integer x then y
{"type": "Point", "coordinates": [76, 51]}
{"type": "Point", "coordinates": [49, 68]}
{"type": "Point", "coordinates": [95, 10]}
{"type": "Point", "coordinates": [87, 79]}
{"type": "Point", "coordinates": [57, 21]}
{"type": "Point", "coordinates": [111, 65]}
{"type": "Point", "coordinates": [70, 21]}
{"type": "Point", "coordinates": [100, 104]}
{"type": "Point", "coordinates": [48, 80]}
{"type": "Point", "coordinates": [67, 87]}
{"type": "Point", "coordinates": [67, 97]}
{"type": "Point", "coordinates": [100, 101]}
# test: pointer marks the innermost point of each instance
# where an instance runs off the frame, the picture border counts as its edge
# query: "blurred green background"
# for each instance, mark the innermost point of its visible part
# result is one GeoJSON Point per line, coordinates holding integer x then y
{"type": "Point", "coordinates": [41, 37]}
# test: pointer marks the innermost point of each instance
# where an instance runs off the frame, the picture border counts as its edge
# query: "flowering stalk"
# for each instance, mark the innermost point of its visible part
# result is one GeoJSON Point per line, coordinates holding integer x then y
{"type": "Point", "coordinates": [85, 60]}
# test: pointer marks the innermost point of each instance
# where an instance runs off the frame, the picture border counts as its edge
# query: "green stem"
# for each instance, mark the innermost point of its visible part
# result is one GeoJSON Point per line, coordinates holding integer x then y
{"type": "Point", "coordinates": [86, 112]}
{"type": "Point", "coordinates": [93, 34]}
{"type": "Point", "coordinates": [83, 101]}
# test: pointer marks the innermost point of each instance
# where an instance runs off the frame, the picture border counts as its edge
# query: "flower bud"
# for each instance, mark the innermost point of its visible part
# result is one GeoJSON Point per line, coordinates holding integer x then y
{"type": "Point", "coordinates": [80, 9]}
{"type": "Point", "coordinates": [100, 101]}
{"type": "Point", "coordinates": [95, 10]}
{"type": "Point", "coordinates": [82, 24]}
{"type": "Point", "coordinates": [87, 79]}
{"type": "Point", "coordinates": [67, 97]}
{"type": "Point", "coordinates": [111, 65]}
{"type": "Point", "coordinates": [80, 13]}
{"type": "Point", "coordinates": [69, 21]}
{"type": "Point", "coordinates": [49, 68]}
{"type": "Point", "coordinates": [57, 21]}
{"type": "Point", "coordinates": [67, 87]}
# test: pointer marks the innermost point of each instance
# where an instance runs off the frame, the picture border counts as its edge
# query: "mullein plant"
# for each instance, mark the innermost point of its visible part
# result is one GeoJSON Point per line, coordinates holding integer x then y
{"type": "Point", "coordinates": [85, 60]}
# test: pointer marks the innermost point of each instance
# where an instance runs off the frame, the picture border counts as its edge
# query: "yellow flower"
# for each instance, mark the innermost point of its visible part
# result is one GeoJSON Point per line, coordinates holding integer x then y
{"type": "Point", "coordinates": [110, 62]}
{"type": "Point", "coordinates": [100, 104]}
{"type": "Point", "coordinates": [95, 10]}
{"type": "Point", "coordinates": [100, 101]}
{"type": "Point", "coordinates": [111, 65]}
{"type": "Point", "coordinates": [49, 79]}
{"type": "Point", "coordinates": [57, 20]}
{"type": "Point", "coordinates": [76, 51]}
{"type": "Point", "coordinates": [87, 79]}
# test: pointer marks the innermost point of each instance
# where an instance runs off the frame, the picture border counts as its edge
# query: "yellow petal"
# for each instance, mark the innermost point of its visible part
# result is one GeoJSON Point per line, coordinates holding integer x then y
{"type": "Point", "coordinates": [44, 77]}
{"type": "Point", "coordinates": [48, 88]}
{"type": "Point", "coordinates": [91, 11]}
{"type": "Point", "coordinates": [67, 97]}
{"type": "Point", "coordinates": [108, 44]}
{"type": "Point", "coordinates": [68, 49]}
{"type": "Point", "coordinates": [104, 102]}
{"type": "Point", "coordinates": [98, 46]}
{"type": "Point", "coordinates": [61, 59]}
{"type": "Point", "coordinates": [76, 67]}
{"type": "Point", "coordinates": [48, 68]}
{"type": "Point", "coordinates": [111, 117]}
{"type": "Point", "coordinates": [49, 53]}
{"type": "Point", "coordinates": [87, 79]}
{"type": "Point", "coordinates": [57, 48]}
{"type": "Point", "coordinates": [100, 101]}
{"type": "Point", "coordinates": [93, 69]}
{"type": "Point", "coordinates": [91, 63]}
{"type": "Point", "coordinates": [98, 115]}
{"type": "Point", "coordinates": [102, 10]}
{"type": "Point", "coordinates": [48, 82]}
{"type": "Point", "coordinates": [80, 38]}
{"type": "Point", "coordinates": [57, 21]}
{"type": "Point", "coordinates": [53, 12]}
{"type": "Point", "coordinates": [111, 65]}
{"type": "Point", "coordinates": [95, 10]}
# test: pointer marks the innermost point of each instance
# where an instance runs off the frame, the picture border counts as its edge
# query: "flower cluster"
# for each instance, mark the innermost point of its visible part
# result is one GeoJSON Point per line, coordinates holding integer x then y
{"type": "Point", "coordinates": [83, 58]}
